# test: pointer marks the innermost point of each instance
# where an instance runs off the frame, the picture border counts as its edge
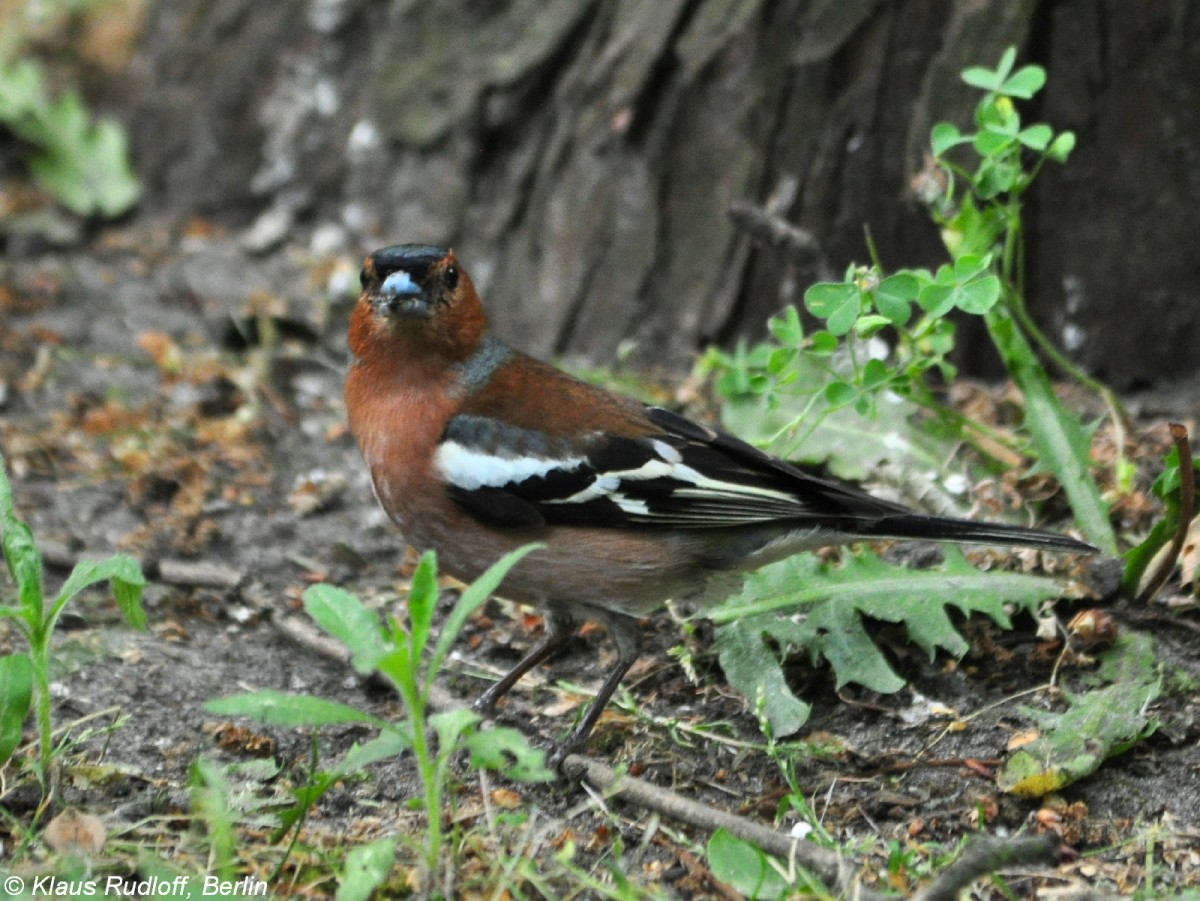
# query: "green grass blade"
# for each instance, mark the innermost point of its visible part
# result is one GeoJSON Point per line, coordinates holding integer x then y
{"type": "Point", "coordinates": [1059, 437]}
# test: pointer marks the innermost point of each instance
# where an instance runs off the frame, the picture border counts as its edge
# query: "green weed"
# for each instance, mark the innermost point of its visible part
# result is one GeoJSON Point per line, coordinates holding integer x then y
{"type": "Point", "coordinates": [803, 380]}
{"type": "Point", "coordinates": [397, 653]}
{"type": "Point", "coordinates": [25, 677]}
{"type": "Point", "coordinates": [82, 162]}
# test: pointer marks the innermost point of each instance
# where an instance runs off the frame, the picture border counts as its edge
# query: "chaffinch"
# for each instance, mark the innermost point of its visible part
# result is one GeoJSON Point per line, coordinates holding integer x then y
{"type": "Point", "coordinates": [476, 449]}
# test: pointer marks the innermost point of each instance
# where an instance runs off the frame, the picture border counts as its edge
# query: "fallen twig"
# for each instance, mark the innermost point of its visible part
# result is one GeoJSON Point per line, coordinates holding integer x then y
{"type": "Point", "coordinates": [825, 864]}
{"type": "Point", "coordinates": [308, 636]}
{"type": "Point", "coordinates": [986, 855]}
{"type": "Point", "coordinates": [199, 574]}
{"type": "Point", "coordinates": [831, 868]}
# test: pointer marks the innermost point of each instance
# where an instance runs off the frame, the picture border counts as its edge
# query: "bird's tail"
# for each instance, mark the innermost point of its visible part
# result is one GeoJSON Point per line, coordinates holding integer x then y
{"type": "Point", "coordinates": [941, 528]}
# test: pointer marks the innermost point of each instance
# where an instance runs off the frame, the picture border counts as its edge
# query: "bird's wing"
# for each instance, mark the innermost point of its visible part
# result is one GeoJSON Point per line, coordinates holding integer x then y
{"type": "Point", "coordinates": [678, 475]}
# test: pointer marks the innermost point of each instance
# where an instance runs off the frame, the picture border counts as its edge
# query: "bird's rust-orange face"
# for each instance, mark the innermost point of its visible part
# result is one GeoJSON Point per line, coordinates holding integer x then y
{"type": "Point", "coordinates": [416, 300]}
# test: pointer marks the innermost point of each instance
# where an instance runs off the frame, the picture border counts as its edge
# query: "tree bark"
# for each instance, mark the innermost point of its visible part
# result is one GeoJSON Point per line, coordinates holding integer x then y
{"type": "Point", "coordinates": [582, 155]}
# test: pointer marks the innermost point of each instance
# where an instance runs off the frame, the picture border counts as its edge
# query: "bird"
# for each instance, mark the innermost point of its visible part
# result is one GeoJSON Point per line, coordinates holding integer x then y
{"type": "Point", "coordinates": [476, 449]}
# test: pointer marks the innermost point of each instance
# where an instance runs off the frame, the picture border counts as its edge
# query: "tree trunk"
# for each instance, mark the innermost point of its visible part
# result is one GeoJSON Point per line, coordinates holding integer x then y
{"type": "Point", "coordinates": [582, 155]}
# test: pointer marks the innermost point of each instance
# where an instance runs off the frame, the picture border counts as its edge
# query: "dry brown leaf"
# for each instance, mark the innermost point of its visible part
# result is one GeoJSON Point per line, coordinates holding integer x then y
{"type": "Point", "coordinates": [72, 832]}
{"type": "Point", "coordinates": [162, 350]}
{"type": "Point", "coordinates": [506, 798]}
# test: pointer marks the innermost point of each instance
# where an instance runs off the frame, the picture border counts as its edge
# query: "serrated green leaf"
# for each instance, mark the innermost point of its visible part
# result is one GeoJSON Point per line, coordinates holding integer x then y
{"type": "Point", "coordinates": [835, 633]}
{"type": "Point", "coordinates": [819, 610]}
{"type": "Point", "coordinates": [16, 692]}
{"type": "Point", "coordinates": [1132, 658]}
{"type": "Point", "coordinates": [1097, 725]}
{"type": "Point", "coordinates": [753, 668]}
{"type": "Point", "coordinates": [347, 619]}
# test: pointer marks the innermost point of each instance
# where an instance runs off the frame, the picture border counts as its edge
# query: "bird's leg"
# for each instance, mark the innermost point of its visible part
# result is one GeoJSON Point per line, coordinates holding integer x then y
{"type": "Point", "coordinates": [559, 628]}
{"type": "Point", "coordinates": [627, 635]}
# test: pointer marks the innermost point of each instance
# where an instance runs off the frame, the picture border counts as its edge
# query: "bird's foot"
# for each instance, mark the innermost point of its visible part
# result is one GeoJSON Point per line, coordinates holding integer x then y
{"type": "Point", "coordinates": [555, 756]}
{"type": "Point", "coordinates": [559, 751]}
{"type": "Point", "coordinates": [484, 706]}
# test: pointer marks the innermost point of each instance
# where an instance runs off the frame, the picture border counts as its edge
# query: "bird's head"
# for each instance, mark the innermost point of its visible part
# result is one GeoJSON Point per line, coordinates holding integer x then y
{"type": "Point", "coordinates": [416, 299]}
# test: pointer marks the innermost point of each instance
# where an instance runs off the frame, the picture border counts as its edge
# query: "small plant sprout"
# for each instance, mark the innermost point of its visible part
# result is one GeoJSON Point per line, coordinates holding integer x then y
{"type": "Point", "coordinates": [25, 677]}
{"type": "Point", "coordinates": [397, 652]}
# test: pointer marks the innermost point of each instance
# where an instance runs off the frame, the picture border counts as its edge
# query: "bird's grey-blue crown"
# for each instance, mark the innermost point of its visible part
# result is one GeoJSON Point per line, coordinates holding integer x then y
{"type": "Point", "coordinates": [415, 259]}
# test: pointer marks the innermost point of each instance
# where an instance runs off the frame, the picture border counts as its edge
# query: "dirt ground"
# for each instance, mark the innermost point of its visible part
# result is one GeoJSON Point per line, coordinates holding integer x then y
{"type": "Point", "coordinates": [166, 393]}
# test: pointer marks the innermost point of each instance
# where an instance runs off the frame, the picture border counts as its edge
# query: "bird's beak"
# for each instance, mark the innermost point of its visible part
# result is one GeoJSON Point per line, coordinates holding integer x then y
{"type": "Point", "coordinates": [399, 295]}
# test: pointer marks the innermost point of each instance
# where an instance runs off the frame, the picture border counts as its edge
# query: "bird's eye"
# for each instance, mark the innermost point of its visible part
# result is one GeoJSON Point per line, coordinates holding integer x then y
{"type": "Point", "coordinates": [363, 278]}
{"type": "Point", "coordinates": [451, 275]}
